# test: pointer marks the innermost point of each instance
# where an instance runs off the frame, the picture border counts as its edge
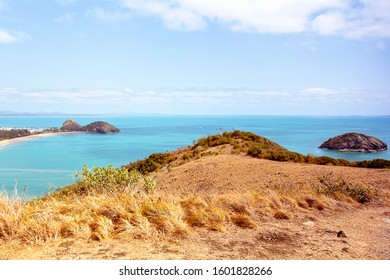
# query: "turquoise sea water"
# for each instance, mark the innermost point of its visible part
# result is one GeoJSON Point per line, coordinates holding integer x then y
{"type": "Point", "coordinates": [52, 161]}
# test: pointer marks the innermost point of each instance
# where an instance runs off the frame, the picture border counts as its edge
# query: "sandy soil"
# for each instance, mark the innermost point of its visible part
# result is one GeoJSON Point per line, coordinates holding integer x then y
{"type": "Point", "coordinates": [308, 236]}
{"type": "Point", "coordinates": [310, 233]}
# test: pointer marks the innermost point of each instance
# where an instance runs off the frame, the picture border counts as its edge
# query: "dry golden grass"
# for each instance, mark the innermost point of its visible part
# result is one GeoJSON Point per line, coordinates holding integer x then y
{"type": "Point", "coordinates": [142, 216]}
{"type": "Point", "coordinates": [101, 217]}
{"type": "Point", "coordinates": [222, 194]}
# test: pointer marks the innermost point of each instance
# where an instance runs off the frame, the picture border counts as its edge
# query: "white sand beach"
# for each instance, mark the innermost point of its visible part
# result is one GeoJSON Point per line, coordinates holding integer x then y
{"type": "Point", "coordinates": [24, 138]}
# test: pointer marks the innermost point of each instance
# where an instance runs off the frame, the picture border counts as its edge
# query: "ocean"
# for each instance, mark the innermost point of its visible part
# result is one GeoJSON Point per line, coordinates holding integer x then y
{"type": "Point", "coordinates": [35, 166]}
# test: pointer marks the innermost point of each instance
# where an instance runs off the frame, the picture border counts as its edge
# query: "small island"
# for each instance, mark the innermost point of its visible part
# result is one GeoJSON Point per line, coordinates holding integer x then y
{"type": "Point", "coordinates": [354, 142]}
{"type": "Point", "coordinates": [95, 127]}
{"type": "Point", "coordinates": [8, 136]}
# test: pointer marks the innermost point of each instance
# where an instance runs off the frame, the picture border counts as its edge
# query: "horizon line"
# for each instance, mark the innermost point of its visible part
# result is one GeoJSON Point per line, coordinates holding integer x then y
{"type": "Point", "coordinates": [65, 114]}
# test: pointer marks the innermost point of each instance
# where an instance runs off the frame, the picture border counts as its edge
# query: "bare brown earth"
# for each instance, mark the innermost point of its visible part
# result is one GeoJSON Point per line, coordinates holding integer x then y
{"type": "Point", "coordinates": [306, 229]}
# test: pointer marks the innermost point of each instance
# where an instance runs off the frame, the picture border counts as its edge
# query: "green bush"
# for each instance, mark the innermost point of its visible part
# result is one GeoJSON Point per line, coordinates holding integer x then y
{"type": "Point", "coordinates": [114, 180]}
{"type": "Point", "coordinates": [151, 163]}
{"type": "Point", "coordinates": [324, 160]}
{"type": "Point", "coordinates": [375, 163]}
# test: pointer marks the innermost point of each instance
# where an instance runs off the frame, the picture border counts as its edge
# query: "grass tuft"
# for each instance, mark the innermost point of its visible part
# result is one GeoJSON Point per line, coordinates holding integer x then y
{"type": "Point", "coordinates": [244, 221]}
{"type": "Point", "coordinates": [281, 215]}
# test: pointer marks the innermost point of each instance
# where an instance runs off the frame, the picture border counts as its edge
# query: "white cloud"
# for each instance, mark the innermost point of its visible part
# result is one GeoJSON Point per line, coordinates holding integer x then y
{"type": "Point", "coordinates": [329, 23]}
{"type": "Point", "coordinates": [174, 15]}
{"type": "Point", "coordinates": [352, 19]}
{"type": "Point", "coordinates": [317, 92]}
{"type": "Point", "coordinates": [370, 19]}
{"type": "Point", "coordinates": [344, 96]}
{"type": "Point", "coordinates": [144, 97]}
{"type": "Point", "coordinates": [7, 37]}
{"type": "Point", "coordinates": [105, 15]}
{"type": "Point", "coordinates": [199, 101]}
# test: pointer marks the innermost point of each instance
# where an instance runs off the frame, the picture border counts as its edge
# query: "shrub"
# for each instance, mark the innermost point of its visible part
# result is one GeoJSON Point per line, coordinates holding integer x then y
{"type": "Point", "coordinates": [110, 180]}
{"type": "Point", "coordinates": [332, 185]}
{"type": "Point", "coordinates": [151, 163]}
{"type": "Point", "coordinates": [187, 156]}
{"type": "Point", "coordinates": [375, 163]}
{"type": "Point", "coordinates": [324, 160]}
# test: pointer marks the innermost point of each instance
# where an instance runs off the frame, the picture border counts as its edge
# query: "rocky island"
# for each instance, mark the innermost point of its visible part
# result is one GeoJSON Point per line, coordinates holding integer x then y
{"type": "Point", "coordinates": [95, 127]}
{"type": "Point", "coordinates": [354, 142]}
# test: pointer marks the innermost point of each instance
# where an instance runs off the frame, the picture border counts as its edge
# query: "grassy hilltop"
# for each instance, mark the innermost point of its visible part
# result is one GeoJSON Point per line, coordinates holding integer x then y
{"type": "Point", "coordinates": [232, 195]}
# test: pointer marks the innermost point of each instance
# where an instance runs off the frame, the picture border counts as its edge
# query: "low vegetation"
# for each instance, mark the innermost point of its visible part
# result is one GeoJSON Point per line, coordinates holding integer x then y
{"type": "Point", "coordinates": [244, 143]}
{"type": "Point", "coordinates": [108, 181]}
{"type": "Point", "coordinates": [152, 163]}
{"type": "Point", "coordinates": [337, 185]}
{"type": "Point", "coordinates": [14, 133]}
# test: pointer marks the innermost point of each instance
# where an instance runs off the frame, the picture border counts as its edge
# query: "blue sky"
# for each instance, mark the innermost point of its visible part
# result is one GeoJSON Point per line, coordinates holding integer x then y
{"type": "Point", "coordinates": [236, 57]}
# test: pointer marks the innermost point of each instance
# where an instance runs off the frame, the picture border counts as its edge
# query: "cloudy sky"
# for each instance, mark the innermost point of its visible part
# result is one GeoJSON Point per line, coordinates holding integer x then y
{"type": "Point", "coordinates": [236, 57]}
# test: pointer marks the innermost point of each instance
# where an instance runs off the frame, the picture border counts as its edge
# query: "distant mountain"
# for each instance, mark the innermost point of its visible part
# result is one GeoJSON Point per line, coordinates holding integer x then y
{"type": "Point", "coordinates": [43, 114]}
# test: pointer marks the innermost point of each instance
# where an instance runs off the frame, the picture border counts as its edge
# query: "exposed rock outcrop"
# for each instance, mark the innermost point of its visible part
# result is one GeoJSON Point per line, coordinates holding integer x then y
{"type": "Point", "coordinates": [70, 125]}
{"type": "Point", "coordinates": [100, 127]}
{"type": "Point", "coordinates": [354, 142]}
{"type": "Point", "coordinates": [95, 127]}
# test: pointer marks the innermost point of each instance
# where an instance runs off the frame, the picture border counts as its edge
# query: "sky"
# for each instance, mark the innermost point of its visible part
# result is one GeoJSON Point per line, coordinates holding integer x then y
{"type": "Point", "coordinates": [196, 57]}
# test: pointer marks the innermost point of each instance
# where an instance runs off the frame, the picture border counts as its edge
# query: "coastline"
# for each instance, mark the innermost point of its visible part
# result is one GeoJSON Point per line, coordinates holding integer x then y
{"type": "Point", "coordinates": [6, 142]}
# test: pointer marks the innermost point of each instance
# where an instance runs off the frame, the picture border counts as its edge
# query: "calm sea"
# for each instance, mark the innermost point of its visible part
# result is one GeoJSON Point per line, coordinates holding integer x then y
{"type": "Point", "coordinates": [53, 161]}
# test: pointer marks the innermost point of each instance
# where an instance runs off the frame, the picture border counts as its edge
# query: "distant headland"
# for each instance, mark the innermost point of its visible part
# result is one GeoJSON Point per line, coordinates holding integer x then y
{"type": "Point", "coordinates": [95, 127]}
{"type": "Point", "coordinates": [11, 135]}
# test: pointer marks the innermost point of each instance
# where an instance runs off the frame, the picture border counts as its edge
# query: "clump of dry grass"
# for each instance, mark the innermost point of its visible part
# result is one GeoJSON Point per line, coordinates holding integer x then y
{"type": "Point", "coordinates": [166, 217]}
{"type": "Point", "coordinates": [282, 215]}
{"type": "Point", "coordinates": [338, 187]}
{"type": "Point", "coordinates": [202, 213]}
{"type": "Point", "coordinates": [244, 221]}
{"type": "Point", "coordinates": [10, 214]}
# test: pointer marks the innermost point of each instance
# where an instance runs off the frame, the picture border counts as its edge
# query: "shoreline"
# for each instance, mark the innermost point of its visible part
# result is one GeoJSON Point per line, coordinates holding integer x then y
{"type": "Point", "coordinates": [6, 142]}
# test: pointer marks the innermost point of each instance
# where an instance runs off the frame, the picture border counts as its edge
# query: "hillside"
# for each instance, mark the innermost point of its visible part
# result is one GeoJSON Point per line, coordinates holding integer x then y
{"type": "Point", "coordinates": [100, 127]}
{"type": "Point", "coordinates": [213, 202]}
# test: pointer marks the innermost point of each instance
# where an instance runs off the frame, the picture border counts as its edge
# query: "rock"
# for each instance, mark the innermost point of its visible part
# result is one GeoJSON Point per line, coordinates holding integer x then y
{"type": "Point", "coordinates": [341, 234]}
{"type": "Point", "coordinates": [95, 127]}
{"type": "Point", "coordinates": [100, 127]}
{"type": "Point", "coordinates": [354, 142]}
{"type": "Point", "coordinates": [70, 125]}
